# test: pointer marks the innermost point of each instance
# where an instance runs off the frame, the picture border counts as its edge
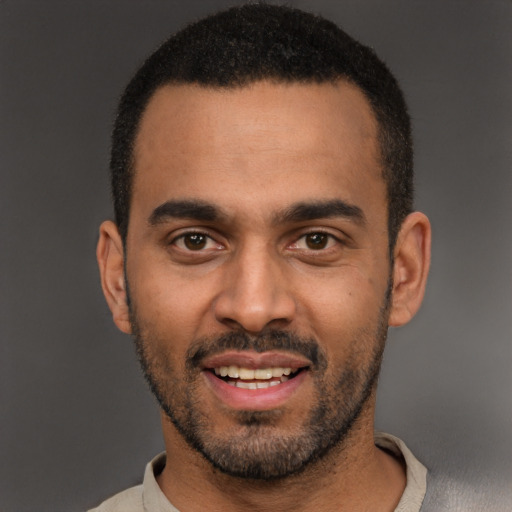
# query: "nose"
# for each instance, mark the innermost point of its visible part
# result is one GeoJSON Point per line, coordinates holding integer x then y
{"type": "Point", "coordinates": [255, 293]}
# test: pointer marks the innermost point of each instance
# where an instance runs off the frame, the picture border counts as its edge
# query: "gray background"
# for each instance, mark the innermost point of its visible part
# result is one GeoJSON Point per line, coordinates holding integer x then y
{"type": "Point", "coordinates": [77, 423]}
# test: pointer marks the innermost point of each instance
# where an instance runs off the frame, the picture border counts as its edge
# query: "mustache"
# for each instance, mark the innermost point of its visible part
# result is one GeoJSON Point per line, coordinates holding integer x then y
{"type": "Point", "coordinates": [264, 342]}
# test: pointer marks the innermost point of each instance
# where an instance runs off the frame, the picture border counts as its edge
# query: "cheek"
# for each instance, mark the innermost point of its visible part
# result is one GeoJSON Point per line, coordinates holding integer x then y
{"type": "Point", "coordinates": [344, 313]}
{"type": "Point", "coordinates": [167, 305]}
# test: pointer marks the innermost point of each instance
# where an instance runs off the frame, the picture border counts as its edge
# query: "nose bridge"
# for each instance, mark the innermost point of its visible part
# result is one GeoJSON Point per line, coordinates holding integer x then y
{"type": "Point", "coordinates": [255, 292]}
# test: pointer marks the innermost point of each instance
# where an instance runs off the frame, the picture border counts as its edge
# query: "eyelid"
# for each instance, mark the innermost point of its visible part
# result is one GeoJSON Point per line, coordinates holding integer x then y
{"type": "Point", "coordinates": [182, 233]}
{"type": "Point", "coordinates": [337, 238]}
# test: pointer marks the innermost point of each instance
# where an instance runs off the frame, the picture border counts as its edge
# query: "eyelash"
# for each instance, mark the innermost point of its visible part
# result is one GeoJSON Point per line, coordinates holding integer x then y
{"type": "Point", "coordinates": [189, 234]}
{"type": "Point", "coordinates": [331, 240]}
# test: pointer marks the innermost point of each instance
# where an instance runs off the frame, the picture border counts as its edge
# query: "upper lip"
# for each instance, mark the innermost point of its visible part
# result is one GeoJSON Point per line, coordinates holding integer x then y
{"type": "Point", "coordinates": [254, 360]}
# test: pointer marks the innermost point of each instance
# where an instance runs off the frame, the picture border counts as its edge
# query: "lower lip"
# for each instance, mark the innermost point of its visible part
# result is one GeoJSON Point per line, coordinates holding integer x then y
{"type": "Point", "coordinates": [254, 399]}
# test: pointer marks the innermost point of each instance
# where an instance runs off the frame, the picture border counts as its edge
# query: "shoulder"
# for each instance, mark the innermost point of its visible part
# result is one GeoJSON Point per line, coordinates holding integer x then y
{"type": "Point", "coordinates": [126, 501]}
{"type": "Point", "coordinates": [416, 473]}
{"type": "Point", "coordinates": [141, 497]}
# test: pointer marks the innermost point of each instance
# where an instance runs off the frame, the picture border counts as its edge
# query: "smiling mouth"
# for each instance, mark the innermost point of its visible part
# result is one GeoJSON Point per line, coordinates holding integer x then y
{"type": "Point", "coordinates": [259, 378]}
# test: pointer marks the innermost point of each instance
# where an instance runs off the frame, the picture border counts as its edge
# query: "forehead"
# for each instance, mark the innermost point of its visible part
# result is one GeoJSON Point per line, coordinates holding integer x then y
{"type": "Point", "coordinates": [290, 140]}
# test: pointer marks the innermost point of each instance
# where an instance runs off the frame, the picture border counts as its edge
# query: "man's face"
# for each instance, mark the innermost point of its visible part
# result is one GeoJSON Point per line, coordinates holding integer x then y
{"type": "Point", "coordinates": [257, 257]}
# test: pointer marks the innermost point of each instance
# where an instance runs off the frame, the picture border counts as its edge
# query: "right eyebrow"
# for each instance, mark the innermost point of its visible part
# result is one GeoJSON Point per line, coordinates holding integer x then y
{"type": "Point", "coordinates": [184, 209]}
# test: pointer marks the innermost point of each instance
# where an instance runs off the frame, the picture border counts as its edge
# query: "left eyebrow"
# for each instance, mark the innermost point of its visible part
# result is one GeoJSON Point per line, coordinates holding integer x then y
{"type": "Point", "coordinates": [306, 211]}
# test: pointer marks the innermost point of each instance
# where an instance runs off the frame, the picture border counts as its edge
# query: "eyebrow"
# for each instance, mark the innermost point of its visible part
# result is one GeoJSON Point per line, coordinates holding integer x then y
{"type": "Point", "coordinates": [184, 209]}
{"type": "Point", "coordinates": [306, 211]}
{"type": "Point", "coordinates": [196, 209]}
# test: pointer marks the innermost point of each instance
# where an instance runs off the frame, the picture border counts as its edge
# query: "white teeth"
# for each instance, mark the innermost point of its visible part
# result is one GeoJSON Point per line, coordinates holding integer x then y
{"type": "Point", "coordinates": [277, 372]}
{"type": "Point", "coordinates": [263, 374]}
{"type": "Point", "coordinates": [246, 374]}
{"type": "Point", "coordinates": [246, 385]}
{"type": "Point", "coordinates": [236, 372]}
{"type": "Point", "coordinates": [233, 372]}
{"type": "Point", "coordinates": [256, 385]}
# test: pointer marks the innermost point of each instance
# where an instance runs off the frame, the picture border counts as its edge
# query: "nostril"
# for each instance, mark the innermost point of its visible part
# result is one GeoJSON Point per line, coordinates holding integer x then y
{"type": "Point", "coordinates": [254, 296]}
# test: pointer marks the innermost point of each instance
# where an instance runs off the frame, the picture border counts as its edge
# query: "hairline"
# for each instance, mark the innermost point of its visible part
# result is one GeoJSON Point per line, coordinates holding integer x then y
{"type": "Point", "coordinates": [276, 80]}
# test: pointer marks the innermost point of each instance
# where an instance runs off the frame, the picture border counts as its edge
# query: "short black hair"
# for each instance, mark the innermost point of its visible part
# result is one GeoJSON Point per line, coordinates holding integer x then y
{"type": "Point", "coordinates": [254, 42]}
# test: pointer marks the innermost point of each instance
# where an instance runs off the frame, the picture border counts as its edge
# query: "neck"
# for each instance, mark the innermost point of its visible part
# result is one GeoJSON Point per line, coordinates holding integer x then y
{"type": "Point", "coordinates": [355, 475]}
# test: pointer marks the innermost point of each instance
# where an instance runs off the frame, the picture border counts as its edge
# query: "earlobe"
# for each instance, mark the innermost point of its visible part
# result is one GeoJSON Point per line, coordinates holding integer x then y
{"type": "Point", "coordinates": [410, 269]}
{"type": "Point", "coordinates": [110, 256]}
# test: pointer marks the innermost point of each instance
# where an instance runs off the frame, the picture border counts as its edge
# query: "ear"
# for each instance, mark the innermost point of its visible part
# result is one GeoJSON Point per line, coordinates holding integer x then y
{"type": "Point", "coordinates": [410, 269]}
{"type": "Point", "coordinates": [110, 256]}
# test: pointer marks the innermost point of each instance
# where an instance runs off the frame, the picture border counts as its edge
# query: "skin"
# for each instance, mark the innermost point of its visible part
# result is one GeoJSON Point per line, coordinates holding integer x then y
{"type": "Point", "coordinates": [252, 153]}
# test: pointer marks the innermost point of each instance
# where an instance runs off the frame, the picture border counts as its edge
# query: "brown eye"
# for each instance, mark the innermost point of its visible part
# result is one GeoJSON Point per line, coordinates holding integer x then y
{"type": "Point", "coordinates": [194, 245]}
{"type": "Point", "coordinates": [195, 241]}
{"type": "Point", "coordinates": [317, 241]}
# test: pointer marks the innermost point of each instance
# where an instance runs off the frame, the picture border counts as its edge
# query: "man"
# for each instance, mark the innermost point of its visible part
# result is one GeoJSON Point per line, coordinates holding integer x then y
{"type": "Point", "coordinates": [264, 241]}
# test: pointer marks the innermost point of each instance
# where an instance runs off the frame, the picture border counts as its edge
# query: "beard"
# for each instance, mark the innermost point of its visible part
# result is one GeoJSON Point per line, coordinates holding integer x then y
{"type": "Point", "coordinates": [257, 447]}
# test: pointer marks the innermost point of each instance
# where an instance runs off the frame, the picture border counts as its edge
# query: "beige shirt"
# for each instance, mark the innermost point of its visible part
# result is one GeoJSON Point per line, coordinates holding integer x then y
{"type": "Point", "coordinates": [148, 496]}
